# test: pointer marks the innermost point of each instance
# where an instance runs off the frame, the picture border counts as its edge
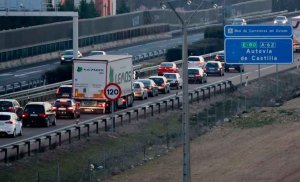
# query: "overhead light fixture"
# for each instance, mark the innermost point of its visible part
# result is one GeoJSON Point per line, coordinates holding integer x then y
{"type": "Point", "coordinates": [189, 2]}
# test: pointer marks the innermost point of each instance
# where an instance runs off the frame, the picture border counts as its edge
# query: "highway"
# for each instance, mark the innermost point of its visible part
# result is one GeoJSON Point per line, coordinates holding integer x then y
{"type": "Point", "coordinates": [250, 71]}
{"type": "Point", "coordinates": [37, 70]}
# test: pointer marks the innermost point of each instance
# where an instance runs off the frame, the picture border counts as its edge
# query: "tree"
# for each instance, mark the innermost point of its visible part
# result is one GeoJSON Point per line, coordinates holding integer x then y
{"type": "Point", "coordinates": [68, 5]}
{"type": "Point", "coordinates": [123, 8]}
{"type": "Point", "coordinates": [87, 10]}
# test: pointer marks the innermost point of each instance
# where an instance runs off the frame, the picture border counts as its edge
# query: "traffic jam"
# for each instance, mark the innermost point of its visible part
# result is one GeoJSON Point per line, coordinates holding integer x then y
{"type": "Point", "coordinates": [86, 95]}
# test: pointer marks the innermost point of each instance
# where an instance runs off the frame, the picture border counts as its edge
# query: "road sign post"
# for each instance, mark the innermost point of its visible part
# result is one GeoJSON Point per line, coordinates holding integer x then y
{"type": "Point", "coordinates": [112, 92]}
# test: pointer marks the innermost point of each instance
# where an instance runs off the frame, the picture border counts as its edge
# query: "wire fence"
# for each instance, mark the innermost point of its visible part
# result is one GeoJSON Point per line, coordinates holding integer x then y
{"type": "Point", "coordinates": [147, 139]}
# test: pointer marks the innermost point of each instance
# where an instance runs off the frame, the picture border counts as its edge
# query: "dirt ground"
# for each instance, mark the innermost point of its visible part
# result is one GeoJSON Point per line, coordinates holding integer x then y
{"type": "Point", "coordinates": [227, 153]}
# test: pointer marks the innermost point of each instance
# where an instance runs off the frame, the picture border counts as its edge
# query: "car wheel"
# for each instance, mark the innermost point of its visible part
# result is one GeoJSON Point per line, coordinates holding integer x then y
{"type": "Point", "coordinates": [54, 122]}
{"type": "Point", "coordinates": [14, 134]}
{"type": "Point", "coordinates": [73, 116]}
{"type": "Point", "coordinates": [48, 123]}
{"type": "Point", "coordinates": [21, 132]}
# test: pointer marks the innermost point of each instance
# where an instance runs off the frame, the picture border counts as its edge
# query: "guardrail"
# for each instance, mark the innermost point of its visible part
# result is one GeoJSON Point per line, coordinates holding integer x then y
{"type": "Point", "coordinates": [47, 92]}
{"type": "Point", "coordinates": [52, 139]}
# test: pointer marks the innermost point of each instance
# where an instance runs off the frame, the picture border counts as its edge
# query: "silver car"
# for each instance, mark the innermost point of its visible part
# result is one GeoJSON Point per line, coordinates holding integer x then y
{"type": "Point", "coordinates": [174, 79]}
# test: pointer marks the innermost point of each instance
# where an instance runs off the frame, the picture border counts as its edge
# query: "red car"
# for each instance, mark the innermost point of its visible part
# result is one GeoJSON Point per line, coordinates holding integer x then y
{"type": "Point", "coordinates": [167, 67]}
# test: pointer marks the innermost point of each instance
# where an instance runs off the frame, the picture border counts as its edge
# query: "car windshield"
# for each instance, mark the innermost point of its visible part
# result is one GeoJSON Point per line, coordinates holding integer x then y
{"type": "Point", "coordinates": [212, 65]}
{"type": "Point", "coordinates": [136, 85]}
{"type": "Point", "coordinates": [96, 53]}
{"type": "Point", "coordinates": [32, 108]}
{"type": "Point", "coordinates": [68, 53]}
{"type": "Point", "coordinates": [4, 105]}
{"type": "Point", "coordinates": [193, 59]}
{"type": "Point", "coordinates": [166, 64]}
{"type": "Point", "coordinates": [146, 82]}
{"type": "Point", "coordinates": [65, 90]}
{"type": "Point", "coordinates": [170, 76]}
{"type": "Point", "coordinates": [158, 81]}
{"type": "Point", "coordinates": [237, 22]}
{"type": "Point", "coordinates": [280, 18]}
{"type": "Point", "coordinates": [63, 103]}
{"type": "Point", "coordinates": [193, 71]}
{"type": "Point", "coordinates": [4, 117]}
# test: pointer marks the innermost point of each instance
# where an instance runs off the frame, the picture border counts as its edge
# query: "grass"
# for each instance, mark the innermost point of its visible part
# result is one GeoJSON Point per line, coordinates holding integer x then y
{"type": "Point", "coordinates": [74, 161]}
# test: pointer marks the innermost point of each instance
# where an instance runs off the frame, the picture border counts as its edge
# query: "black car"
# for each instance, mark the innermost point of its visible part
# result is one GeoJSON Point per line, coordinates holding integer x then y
{"type": "Point", "coordinates": [64, 91]}
{"type": "Point", "coordinates": [66, 108]}
{"type": "Point", "coordinates": [11, 105]}
{"type": "Point", "coordinates": [234, 67]}
{"type": "Point", "coordinates": [38, 113]}
{"type": "Point", "coordinates": [196, 75]}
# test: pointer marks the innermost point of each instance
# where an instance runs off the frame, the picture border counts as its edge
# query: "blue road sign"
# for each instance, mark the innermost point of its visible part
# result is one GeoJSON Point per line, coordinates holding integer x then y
{"type": "Point", "coordinates": [258, 31]}
{"type": "Point", "coordinates": [258, 51]}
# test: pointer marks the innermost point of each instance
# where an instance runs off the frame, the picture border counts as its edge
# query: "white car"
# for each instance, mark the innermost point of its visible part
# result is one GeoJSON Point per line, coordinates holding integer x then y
{"type": "Point", "coordinates": [10, 124]}
{"type": "Point", "coordinates": [239, 21]}
{"type": "Point", "coordinates": [281, 20]}
{"type": "Point", "coordinates": [174, 79]}
{"type": "Point", "coordinates": [196, 61]}
{"type": "Point", "coordinates": [92, 53]}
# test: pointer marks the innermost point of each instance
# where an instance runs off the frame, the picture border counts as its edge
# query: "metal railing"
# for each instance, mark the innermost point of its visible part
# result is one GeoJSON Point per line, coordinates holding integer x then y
{"type": "Point", "coordinates": [49, 140]}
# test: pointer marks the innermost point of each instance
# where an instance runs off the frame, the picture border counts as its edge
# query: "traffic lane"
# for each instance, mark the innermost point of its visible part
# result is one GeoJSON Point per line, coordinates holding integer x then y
{"type": "Point", "coordinates": [61, 123]}
{"type": "Point", "coordinates": [26, 74]}
{"type": "Point", "coordinates": [35, 71]}
{"type": "Point", "coordinates": [250, 70]}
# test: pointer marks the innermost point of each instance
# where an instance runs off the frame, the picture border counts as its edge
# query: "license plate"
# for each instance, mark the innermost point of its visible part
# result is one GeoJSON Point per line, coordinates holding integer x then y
{"type": "Point", "coordinates": [33, 115]}
{"type": "Point", "coordinates": [231, 69]}
{"type": "Point", "coordinates": [211, 68]}
{"type": "Point", "coordinates": [191, 76]}
{"type": "Point", "coordinates": [65, 95]}
{"type": "Point", "coordinates": [62, 109]}
{"type": "Point", "coordinates": [88, 110]}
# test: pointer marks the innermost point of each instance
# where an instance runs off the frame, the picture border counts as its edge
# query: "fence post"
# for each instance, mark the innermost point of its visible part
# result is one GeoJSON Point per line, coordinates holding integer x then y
{"type": "Point", "coordinates": [88, 129]}
{"type": "Point", "coordinates": [49, 138]}
{"type": "Point", "coordinates": [203, 93]}
{"type": "Point", "coordinates": [178, 102]}
{"type": "Point", "coordinates": [78, 128]}
{"type": "Point", "coordinates": [129, 116]}
{"type": "Point", "coordinates": [39, 142]}
{"type": "Point", "coordinates": [28, 147]}
{"type": "Point", "coordinates": [144, 108]}
{"type": "Point", "coordinates": [158, 104]}
{"type": "Point", "coordinates": [220, 88]}
{"type": "Point", "coordinates": [69, 133]}
{"type": "Point", "coordinates": [208, 88]}
{"type": "Point", "coordinates": [17, 147]}
{"type": "Point", "coordinates": [152, 112]}
{"type": "Point", "coordinates": [172, 100]}
{"type": "Point", "coordinates": [137, 114]}
{"type": "Point", "coordinates": [166, 105]}
{"type": "Point", "coordinates": [191, 96]}
{"type": "Point", "coordinates": [198, 97]}
{"type": "Point", "coordinates": [121, 116]}
{"type": "Point", "coordinates": [214, 90]}
{"type": "Point", "coordinates": [59, 138]}
{"type": "Point", "coordinates": [97, 126]}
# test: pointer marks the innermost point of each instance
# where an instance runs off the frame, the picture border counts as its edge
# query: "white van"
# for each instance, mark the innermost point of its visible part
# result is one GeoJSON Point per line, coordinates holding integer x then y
{"type": "Point", "coordinates": [196, 61]}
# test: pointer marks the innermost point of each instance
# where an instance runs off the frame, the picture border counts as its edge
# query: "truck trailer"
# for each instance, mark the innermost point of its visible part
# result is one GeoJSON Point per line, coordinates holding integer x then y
{"type": "Point", "coordinates": [91, 74]}
{"type": "Point", "coordinates": [296, 33]}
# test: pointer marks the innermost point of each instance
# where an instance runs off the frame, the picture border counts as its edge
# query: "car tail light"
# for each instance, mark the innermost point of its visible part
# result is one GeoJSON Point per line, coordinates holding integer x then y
{"type": "Point", "coordinates": [149, 88]}
{"type": "Point", "coordinates": [42, 115]}
{"type": "Point", "coordinates": [197, 75]}
{"type": "Point", "coordinates": [9, 122]}
{"type": "Point", "coordinates": [103, 104]}
{"type": "Point", "coordinates": [160, 68]}
{"type": "Point", "coordinates": [123, 101]}
{"type": "Point", "coordinates": [10, 108]}
{"type": "Point", "coordinates": [217, 58]}
{"type": "Point", "coordinates": [57, 91]}
{"type": "Point", "coordinates": [54, 108]}
{"type": "Point", "coordinates": [25, 115]}
{"type": "Point", "coordinates": [204, 69]}
{"type": "Point", "coordinates": [69, 108]}
{"type": "Point", "coordinates": [219, 69]}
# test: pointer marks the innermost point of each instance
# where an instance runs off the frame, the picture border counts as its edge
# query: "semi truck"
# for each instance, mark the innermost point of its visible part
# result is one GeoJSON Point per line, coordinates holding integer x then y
{"type": "Point", "coordinates": [91, 74]}
{"type": "Point", "coordinates": [296, 33]}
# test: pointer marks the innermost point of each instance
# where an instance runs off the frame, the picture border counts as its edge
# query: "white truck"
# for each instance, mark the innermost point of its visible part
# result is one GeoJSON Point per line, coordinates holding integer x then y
{"type": "Point", "coordinates": [296, 33]}
{"type": "Point", "coordinates": [92, 73]}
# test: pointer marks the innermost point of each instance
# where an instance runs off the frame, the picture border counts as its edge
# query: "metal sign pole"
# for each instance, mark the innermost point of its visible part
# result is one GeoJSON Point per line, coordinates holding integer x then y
{"type": "Point", "coordinates": [113, 124]}
{"type": "Point", "coordinates": [277, 82]}
{"type": "Point", "coordinates": [259, 84]}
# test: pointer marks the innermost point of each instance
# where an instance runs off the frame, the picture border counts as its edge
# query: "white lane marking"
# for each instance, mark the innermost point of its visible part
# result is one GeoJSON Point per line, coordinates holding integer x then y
{"type": "Point", "coordinates": [266, 67]}
{"type": "Point", "coordinates": [24, 74]}
{"type": "Point", "coordinates": [6, 74]}
{"type": "Point", "coordinates": [56, 63]}
{"type": "Point", "coordinates": [32, 68]}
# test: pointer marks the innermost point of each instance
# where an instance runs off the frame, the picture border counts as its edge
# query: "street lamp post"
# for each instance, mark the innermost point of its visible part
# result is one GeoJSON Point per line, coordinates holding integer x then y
{"type": "Point", "coordinates": [185, 101]}
{"type": "Point", "coordinates": [185, 92]}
